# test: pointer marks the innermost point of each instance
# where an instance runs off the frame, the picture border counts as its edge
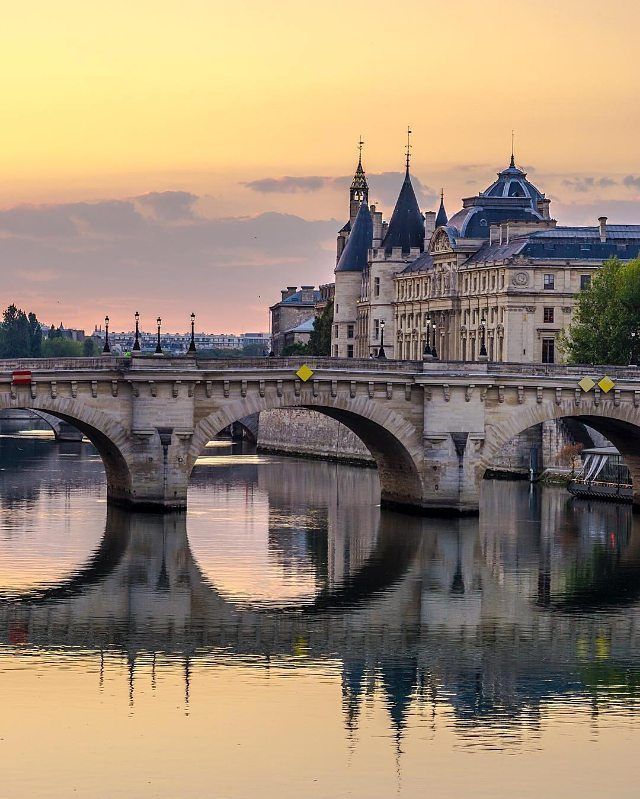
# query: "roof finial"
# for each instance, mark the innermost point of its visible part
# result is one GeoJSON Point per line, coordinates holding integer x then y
{"type": "Point", "coordinates": [408, 147]}
{"type": "Point", "coordinates": [513, 158]}
{"type": "Point", "coordinates": [360, 143]}
{"type": "Point", "coordinates": [441, 195]}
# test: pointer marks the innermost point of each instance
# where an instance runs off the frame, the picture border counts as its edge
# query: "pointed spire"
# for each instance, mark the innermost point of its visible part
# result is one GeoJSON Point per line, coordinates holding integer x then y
{"type": "Point", "coordinates": [512, 165]}
{"type": "Point", "coordinates": [359, 182]}
{"type": "Point", "coordinates": [406, 228]}
{"type": "Point", "coordinates": [441, 218]}
{"type": "Point", "coordinates": [356, 251]}
{"type": "Point", "coordinates": [408, 148]}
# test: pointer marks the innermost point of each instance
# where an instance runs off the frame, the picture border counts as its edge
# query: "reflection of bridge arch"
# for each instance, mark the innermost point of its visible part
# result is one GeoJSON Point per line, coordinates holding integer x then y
{"type": "Point", "coordinates": [391, 438]}
{"type": "Point", "coordinates": [620, 424]}
{"type": "Point", "coordinates": [107, 435]}
{"type": "Point", "coordinates": [384, 566]}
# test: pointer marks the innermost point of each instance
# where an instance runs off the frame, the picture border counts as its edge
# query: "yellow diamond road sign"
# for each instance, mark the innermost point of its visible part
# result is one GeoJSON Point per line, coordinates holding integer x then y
{"type": "Point", "coordinates": [586, 384]}
{"type": "Point", "coordinates": [606, 384]}
{"type": "Point", "coordinates": [304, 373]}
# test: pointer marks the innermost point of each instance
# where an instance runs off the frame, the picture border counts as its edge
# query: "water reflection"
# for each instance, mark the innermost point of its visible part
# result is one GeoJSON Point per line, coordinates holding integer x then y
{"type": "Point", "coordinates": [486, 626]}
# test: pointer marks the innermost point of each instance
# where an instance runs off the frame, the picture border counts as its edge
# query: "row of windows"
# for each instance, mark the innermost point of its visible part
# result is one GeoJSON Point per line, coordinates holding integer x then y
{"type": "Point", "coordinates": [484, 281]}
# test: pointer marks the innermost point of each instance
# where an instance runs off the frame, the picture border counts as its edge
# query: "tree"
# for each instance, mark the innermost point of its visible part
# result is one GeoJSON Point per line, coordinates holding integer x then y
{"type": "Point", "coordinates": [61, 348]}
{"type": "Point", "coordinates": [298, 348]}
{"type": "Point", "coordinates": [607, 313]}
{"type": "Point", "coordinates": [15, 339]}
{"type": "Point", "coordinates": [35, 336]}
{"type": "Point", "coordinates": [90, 347]}
{"type": "Point", "coordinates": [320, 340]}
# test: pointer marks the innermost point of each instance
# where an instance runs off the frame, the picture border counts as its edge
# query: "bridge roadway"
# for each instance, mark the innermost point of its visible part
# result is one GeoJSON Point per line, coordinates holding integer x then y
{"type": "Point", "coordinates": [433, 428]}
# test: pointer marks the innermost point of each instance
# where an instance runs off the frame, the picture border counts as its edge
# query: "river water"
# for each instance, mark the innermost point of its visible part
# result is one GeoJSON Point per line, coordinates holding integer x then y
{"type": "Point", "coordinates": [287, 638]}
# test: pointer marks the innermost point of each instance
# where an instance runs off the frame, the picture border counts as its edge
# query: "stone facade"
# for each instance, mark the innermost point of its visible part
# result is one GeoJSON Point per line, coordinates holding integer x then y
{"type": "Point", "coordinates": [497, 281]}
{"type": "Point", "coordinates": [296, 307]}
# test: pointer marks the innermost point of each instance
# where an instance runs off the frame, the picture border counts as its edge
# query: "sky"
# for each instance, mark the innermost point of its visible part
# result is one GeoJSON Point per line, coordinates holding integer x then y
{"type": "Point", "coordinates": [171, 157]}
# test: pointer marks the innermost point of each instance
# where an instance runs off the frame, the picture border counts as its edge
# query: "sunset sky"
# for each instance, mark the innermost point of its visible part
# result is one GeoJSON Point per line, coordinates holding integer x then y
{"type": "Point", "coordinates": [194, 155]}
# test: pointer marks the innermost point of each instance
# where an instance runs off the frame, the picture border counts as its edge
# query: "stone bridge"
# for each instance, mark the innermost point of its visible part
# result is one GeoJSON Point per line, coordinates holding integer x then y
{"type": "Point", "coordinates": [432, 428]}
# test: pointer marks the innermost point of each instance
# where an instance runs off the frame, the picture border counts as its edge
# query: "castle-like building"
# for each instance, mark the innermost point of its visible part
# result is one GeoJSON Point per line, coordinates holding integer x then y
{"type": "Point", "coordinates": [498, 280]}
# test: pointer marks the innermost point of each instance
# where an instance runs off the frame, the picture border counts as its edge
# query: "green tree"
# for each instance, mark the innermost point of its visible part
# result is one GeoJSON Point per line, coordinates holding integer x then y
{"type": "Point", "coordinates": [90, 347]}
{"type": "Point", "coordinates": [15, 341]}
{"type": "Point", "coordinates": [320, 340]}
{"type": "Point", "coordinates": [61, 348]}
{"type": "Point", "coordinates": [606, 315]}
{"type": "Point", "coordinates": [35, 336]}
{"type": "Point", "coordinates": [296, 349]}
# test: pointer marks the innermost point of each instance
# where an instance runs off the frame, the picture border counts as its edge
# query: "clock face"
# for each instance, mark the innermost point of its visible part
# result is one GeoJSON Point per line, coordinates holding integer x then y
{"type": "Point", "coordinates": [520, 279]}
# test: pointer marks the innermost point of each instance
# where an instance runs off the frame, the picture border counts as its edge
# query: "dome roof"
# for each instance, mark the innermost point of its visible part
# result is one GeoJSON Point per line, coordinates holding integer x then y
{"type": "Point", "coordinates": [512, 182]}
{"type": "Point", "coordinates": [474, 222]}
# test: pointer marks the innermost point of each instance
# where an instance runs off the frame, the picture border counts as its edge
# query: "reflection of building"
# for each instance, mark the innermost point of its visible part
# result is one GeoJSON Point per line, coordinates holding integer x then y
{"type": "Point", "coordinates": [497, 280]}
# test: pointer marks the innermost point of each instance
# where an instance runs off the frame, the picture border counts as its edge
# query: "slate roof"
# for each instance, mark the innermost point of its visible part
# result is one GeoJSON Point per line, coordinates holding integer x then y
{"type": "Point", "coordinates": [566, 243]}
{"type": "Point", "coordinates": [474, 222]}
{"type": "Point", "coordinates": [406, 228]}
{"type": "Point", "coordinates": [512, 182]}
{"type": "Point", "coordinates": [296, 299]}
{"type": "Point", "coordinates": [356, 250]}
{"type": "Point", "coordinates": [441, 218]}
{"type": "Point", "coordinates": [421, 264]}
{"type": "Point", "coordinates": [306, 326]}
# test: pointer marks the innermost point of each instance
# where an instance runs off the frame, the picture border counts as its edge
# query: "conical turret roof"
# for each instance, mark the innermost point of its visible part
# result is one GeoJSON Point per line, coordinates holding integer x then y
{"type": "Point", "coordinates": [355, 254]}
{"type": "Point", "coordinates": [441, 218]}
{"type": "Point", "coordinates": [406, 228]}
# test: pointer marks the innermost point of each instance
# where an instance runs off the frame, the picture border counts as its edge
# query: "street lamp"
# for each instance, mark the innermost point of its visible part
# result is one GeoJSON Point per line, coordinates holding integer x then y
{"type": "Point", "coordinates": [426, 352]}
{"type": "Point", "coordinates": [434, 351]}
{"type": "Point", "coordinates": [381, 353]}
{"type": "Point", "coordinates": [192, 343]}
{"type": "Point", "coordinates": [107, 348]}
{"type": "Point", "coordinates": [633, 361]}
{"type": "Point", "coordinates": [158, 347]}
{"type": "Point", "coordinates": [136, 342]}
{"type": "Point", "coordinates": [483, 348]}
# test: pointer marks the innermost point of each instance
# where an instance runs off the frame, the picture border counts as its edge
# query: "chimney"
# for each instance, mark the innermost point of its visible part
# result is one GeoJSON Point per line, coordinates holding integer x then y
{"type": "Point", "coordinates": [429, 223]}
{"type": "Point", "coordinates": [603, 228]}
{"type": "Point", "coordinates": [307, 288]}
{"type": "Point", "coordinates": [288, 292]}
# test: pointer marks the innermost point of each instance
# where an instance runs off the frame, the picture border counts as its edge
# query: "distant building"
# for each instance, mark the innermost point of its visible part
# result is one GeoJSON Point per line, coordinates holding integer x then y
{"type": "Point", "coordinates": [296, 307]}
{"type": "Point", "coordinates": [75, 334]}
{"type": "Point", "coordinates": [178, 343]}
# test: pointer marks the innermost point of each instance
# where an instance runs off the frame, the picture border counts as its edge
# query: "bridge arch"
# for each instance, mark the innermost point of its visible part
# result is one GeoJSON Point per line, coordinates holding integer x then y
{"type": "Point", "coordinates": [620, 424]}
{"type": "Point", "coordinates": [104, 432]}
{"type": "Point", "coordinates": [390, 438]}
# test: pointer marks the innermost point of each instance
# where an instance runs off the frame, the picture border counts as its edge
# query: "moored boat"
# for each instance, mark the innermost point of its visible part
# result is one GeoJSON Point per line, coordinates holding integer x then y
{"type": "Point", "coordinates": [603, 475]}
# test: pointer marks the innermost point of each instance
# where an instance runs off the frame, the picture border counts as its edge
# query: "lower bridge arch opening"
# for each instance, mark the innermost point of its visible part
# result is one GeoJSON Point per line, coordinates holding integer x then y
{"type": "Point", "coordinates": [104, 433]}
{"type": "Point", "coordinates": [391, 442]}
{"type": "Point", "coordinates": [556, 443]}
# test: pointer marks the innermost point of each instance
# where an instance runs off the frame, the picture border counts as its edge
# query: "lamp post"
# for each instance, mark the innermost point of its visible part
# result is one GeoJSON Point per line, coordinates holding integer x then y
{"type": "Point", "coordinates": [107, 347]}
{"type": "Point", "coordinates": [483, 348]}
{"type": "Point", "coordinates": [434, 351]}
{"type": "Point", "coordinates": [426, 352]}
{"type": "Point", "coordinates": [633, 360]}
{"type": "Point", "coordinates": [158, 347]}
{"type": "Point", "coordinates": [136, 341]}
{"type": "Point", "coordinates": [381, 353]}
{"type": "Point", "coordinates": [192, 343]}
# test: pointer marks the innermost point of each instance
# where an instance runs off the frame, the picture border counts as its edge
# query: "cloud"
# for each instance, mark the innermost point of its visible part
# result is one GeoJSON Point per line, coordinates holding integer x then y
{"type": "Point", "coordinates": [78, 261]}
{"type": "Point", "coordinates": [584, 185]}
{"type": "Point", "coordinates": [384, 187]}
{"type": "Point", "coordinates": [631, 182]}
{"type": "Point", "coordinates": [169, 205]}
{"type": "Point", "coordinates": [288, 184]}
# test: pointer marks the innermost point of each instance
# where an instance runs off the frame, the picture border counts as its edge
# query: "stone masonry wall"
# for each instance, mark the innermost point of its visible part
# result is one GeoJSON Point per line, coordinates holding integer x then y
{"type": "Point", "coordinates": [302, 432]}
